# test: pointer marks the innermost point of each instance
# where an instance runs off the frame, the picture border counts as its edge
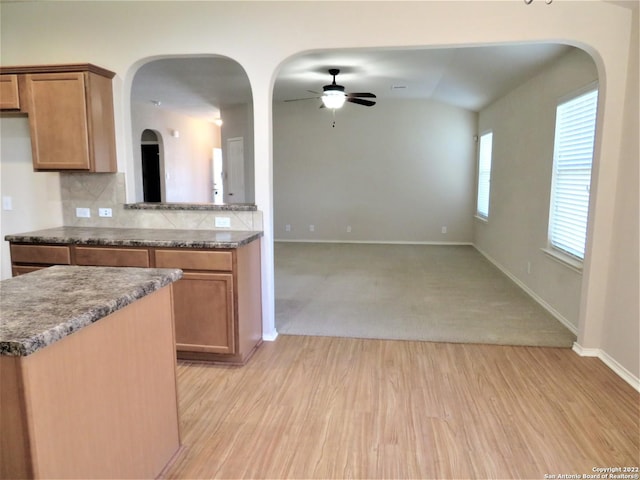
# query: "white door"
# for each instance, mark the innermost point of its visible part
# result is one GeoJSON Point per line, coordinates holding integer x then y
{"type": "Point", "coordinates": [218, 184]}
{"type": "Point", "coordinates": [234, 190]}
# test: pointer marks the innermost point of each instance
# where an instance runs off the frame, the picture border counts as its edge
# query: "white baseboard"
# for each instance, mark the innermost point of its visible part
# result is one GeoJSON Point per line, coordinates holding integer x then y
{"type": "Point", "coordinates": [270, 336]}
{"type": "Point", "coordinates": [610, 362]}
{"type": "Point", "coordinates": [371, 242]}
{"type": "Point", "coordinates": [557, 315]}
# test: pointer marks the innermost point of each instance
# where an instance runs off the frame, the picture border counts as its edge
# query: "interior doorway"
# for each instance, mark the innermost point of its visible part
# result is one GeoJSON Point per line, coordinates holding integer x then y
{"type": "Point", "coordinates": [234, 190]}
{"type": "Point", "coordinates": [151, 167]}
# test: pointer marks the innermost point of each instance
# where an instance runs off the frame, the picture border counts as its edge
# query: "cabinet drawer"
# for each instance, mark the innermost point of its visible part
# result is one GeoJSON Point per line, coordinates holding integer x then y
{"type": "Point", "coordinates": [22, 269]}
{"type": "Point", "coordinates": [194, 260]}
{"type": "Point", "coordinates": [9, 98]}
{"type": "Point", "coordinates": [44, 254]}
{"type": "Point", "coordinates": [112, 257]}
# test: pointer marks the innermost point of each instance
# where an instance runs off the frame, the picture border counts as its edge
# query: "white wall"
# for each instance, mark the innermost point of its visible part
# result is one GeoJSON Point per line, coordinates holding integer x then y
{"type": "Point", "coordinates": [187, 158]}
{"type": "Point", "coordinates": [622, 329]}
{"type": "Point", "coordinates": [261, 35]}
{"type": "Point", "coordinates": [523, 124]}
{"type": "Point", "coordinates": [397, 172]}
{"type": "Point", "coordinates": [35, 198]}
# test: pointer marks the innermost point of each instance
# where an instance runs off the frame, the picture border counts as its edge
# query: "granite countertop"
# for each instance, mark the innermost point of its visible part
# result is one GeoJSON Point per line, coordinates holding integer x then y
{"type": "Point", "coordinates": [137, 237]}
{"type": "Point", "coordinates": [222, 207]}
{"type": "Point", "coordinates": [45, 306]}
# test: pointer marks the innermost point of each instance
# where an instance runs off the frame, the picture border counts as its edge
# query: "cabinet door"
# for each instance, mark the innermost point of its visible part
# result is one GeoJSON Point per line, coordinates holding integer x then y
{"type": "Point", "coordinates": [9, 98]}
{"type": "Point", "coordinates": [204, 313]}
{"type": "Point", "coordinates": [57, 109]}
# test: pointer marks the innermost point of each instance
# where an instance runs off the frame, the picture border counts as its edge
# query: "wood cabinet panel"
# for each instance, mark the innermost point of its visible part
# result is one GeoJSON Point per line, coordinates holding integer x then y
{"type": "Point", "coordinates": [112, 257]}
{"type": "Point", "coordinates": [195, 260]}
{"type": "Point", "coordinates": [58, 120]}
{"type": "Point", "coordinates": [15, 458]}
{"type": "Point", "coordinates": [22, 269]}
{"type": "Point", "coordinates": [41, 254]}
{"type": "Point", "coordinates": [204, 313]}
{"type": "Point", "coordinates": [100, 115]}
{"type": "Point", "coordinates": [9, 96]}
{"type": "Point", "coordinates": [249, 294]}
{"type": "Point", "coordinates": [70, 111]}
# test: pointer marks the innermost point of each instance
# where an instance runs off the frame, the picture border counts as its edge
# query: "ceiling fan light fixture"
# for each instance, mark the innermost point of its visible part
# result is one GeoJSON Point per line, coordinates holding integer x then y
{"type": "Point", "coordinates": [333, 98]}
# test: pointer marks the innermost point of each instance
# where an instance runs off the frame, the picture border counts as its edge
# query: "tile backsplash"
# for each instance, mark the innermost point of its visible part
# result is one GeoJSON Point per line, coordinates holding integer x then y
{"type": "Point", "coordinates": [105, 190]}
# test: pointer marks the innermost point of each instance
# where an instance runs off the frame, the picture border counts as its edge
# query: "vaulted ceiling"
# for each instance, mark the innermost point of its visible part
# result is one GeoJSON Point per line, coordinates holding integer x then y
{"type": "Point", "coordinates": [470, 77]}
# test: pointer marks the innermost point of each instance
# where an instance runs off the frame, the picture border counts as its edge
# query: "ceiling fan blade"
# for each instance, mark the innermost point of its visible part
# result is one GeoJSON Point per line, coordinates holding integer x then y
{"type": "Point", "coordinates": [365, 95]}
{"type": "Point", "coordinates": [360, 101]}
{"type": "Point", "coordinates": [298, 99]}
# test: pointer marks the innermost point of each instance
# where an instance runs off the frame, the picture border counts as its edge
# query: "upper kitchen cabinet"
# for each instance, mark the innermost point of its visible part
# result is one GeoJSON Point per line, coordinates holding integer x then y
{"type": "Point", "coordinates": [9, 98]}
{"type": "Point", "coordinates": [70, 110]}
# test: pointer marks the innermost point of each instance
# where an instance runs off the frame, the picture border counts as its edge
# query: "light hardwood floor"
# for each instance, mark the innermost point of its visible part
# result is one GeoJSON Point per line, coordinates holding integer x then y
{"type": "Point", "coordinates": [322, 407]}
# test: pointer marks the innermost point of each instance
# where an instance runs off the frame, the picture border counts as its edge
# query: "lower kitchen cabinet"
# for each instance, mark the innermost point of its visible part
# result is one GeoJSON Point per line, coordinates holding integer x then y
{"type": "Point", "coordinates": [29, 258]}
{"type": "Point", "coordinates": [204, 313]}
{"type": "Point", "coordinates": [217, 304]}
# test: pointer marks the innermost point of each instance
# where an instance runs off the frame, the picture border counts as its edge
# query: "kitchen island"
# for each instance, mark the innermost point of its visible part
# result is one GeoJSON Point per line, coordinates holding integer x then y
{"type": "Point", "coordinates": [88, 373]}
{"type": "Point", "coordinates": [217, 303]}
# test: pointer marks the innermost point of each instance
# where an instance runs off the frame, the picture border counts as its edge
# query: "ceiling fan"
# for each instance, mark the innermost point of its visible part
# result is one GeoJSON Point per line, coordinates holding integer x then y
{"type": "Point", "coordinates": [333, 95]}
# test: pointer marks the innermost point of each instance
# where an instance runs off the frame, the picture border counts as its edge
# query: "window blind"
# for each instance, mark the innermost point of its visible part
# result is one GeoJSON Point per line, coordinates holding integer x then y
{"type": "Point", "coordinates": [572, 160]}
{"type": "Point", "coordinates": [484, 174]}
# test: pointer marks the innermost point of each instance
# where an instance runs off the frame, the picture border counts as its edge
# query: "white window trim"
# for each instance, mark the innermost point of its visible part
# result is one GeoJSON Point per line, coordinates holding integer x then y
{"type": "Point", "coordinates": [555, 253]}
{"type": "Point", "coordinates": [564, 259]}
{"type": "Point", "coordinates": [478, 214]}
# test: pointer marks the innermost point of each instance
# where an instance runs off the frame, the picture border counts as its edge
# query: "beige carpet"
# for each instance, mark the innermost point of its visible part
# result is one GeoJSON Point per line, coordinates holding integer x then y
{"type": "Point", "coordinates": [408, 292]}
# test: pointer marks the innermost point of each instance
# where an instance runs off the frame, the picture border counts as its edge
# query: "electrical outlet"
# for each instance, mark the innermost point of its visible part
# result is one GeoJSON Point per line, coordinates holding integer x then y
{"type": "Point", "coordinates": [444, 229]}
{"type": "Point", "coordinates": [312, 228]}
{"type": "Point", "coordinates": [83, 212]}
{"type": "Point", "coordinates": [223, 222]}
{"type": "Point", "coordinates": [105, 212]}
{"type": "Point", "coordinates": [7, 203]}
{"type": "Point", "coordinates": [348, 228]}
{"type": "Point", "coordinates": [287, 228]}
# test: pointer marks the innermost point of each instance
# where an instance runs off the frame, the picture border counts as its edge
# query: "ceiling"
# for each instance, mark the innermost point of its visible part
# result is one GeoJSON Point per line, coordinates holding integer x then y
{"type": "Point", "coordinates": [194, 86]}
{"type": "Point", "coordinates": [470, 77]}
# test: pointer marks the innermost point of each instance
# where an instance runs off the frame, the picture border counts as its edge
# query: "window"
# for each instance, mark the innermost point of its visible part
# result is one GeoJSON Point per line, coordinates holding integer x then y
{"type": "Point", "coordinates": [572, 160]}
{"type": "Point", "coordinates": [484, 174]}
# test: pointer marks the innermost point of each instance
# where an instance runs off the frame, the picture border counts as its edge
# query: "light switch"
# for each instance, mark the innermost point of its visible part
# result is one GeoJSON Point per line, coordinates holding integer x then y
{"type": "Point", "coordinates": [7, 203]}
